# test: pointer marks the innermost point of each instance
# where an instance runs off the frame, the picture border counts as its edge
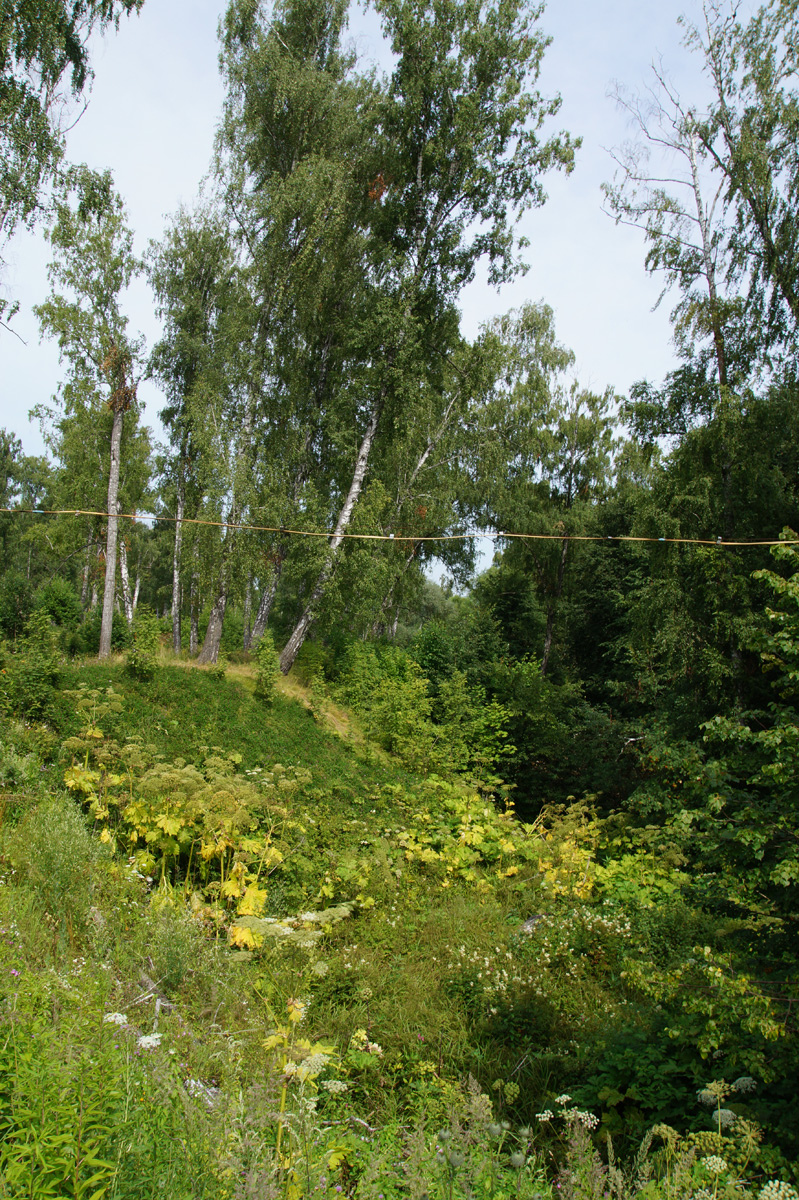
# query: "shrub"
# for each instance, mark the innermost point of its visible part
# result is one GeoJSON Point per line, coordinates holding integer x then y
{"type": "Point", "coordinates": [143, 655]}
{"type": "Point", "coordinates": [59, 600]}
{"type": "Point", "coordinates": [16, 603]}
{"type": "Point", "coordinates": [267, 668]}
{"type": "Point", "coordinates": [54, 853]}
{"type": "Point", "coordinates": [31, 674]}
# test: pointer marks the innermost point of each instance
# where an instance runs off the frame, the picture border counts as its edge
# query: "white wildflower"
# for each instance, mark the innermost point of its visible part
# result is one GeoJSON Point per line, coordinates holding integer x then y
{"type": "Point", "coordinates": [150, 1041]}
{"type": "Point", "coordinates": [115, 1019]}
{"type": "Point", "coordinates": [312, 1066]}
{"type": "Point", "coordinates": [745, 1083]}
{"type": "Point", "coordinates": [776, 1189]}
{"type": "Point", "coordinates": [564, 1099]}
{"type": "Point", "coordinates": [336, 1087]}
{"type": "Point", "coordinates": [546, 1115]}
{"type": "Point", "coordinates": [714, 1163]}
{"type": "Point", "coordinates": [725, 1117]}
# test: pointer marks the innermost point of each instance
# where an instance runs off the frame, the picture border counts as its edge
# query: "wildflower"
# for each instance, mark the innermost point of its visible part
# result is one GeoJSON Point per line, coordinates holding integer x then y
{"type": "Point", "coordinates": [336, 1087]}
{"type": "Point", "coordinates": [745, 1083]}
{"type": "Point", "coordinates": [775, 1189]}
{"type": "Point", "coordinates": [714, 1163]}
{"type": "Point", "coordinates": [546, 1115]}
{"type": "Point", "coordinates": [312, 1066]}
{"type": "Point", "coordinates": [564, 1099]}
{"type": "Point", "coordinates": [707, 1097]}
{"type": "Point", "coordinates": [115, 1019]}
{"type": "Point", "coordinates": [725, 1117]}
{"type": "Point", "coordinates": [518, 1160]}
{"type": "Point", "coordinates": [150, 1041]}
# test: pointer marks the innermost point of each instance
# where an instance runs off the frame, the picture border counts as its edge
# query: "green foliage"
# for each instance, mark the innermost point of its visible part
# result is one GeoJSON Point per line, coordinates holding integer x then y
{"type": "Point", "coordinates": [39, 47]}
{"type": "Point", "coordinates": [457, 731]}
{"type": "Point", "coordinates": [55, 855]}
{"type": "Point", "coordinates": [16, 603]}
{"type": "Point", "coordinates": [267, 668]}
{"type": "Point", "coordinates": [59, 600]}
{"type": "Point", "coordinates": [418, 934]}
{"type": "Point", "coordinates": [29, 677]}
{"type": "Point", "coordinates": [142, 660]}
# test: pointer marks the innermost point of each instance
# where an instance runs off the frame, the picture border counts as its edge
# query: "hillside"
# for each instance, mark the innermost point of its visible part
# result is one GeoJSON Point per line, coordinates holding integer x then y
{"type": "Point", "coordinates": [245, 952]}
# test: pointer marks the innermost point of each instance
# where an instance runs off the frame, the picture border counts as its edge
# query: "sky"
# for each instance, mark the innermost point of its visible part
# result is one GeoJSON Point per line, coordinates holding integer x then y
{"type": "Point", "coordinates": [152, 116]}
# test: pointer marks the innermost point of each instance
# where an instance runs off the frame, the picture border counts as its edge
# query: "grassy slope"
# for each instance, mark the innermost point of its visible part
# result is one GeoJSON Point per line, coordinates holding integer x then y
{"type": "Point", "coordinates": [433, 966]}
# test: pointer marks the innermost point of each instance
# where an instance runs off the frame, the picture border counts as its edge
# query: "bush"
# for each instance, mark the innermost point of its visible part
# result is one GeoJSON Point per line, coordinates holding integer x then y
{"type": "Point", "coordinates": [59, 600]}
{"type": "Point", "coordinates": [146, 638]}
{"type": "Point", "coordinates": [54, 853]}
{"type": "Point", "coordinates": [267, 668]}
{"type": "Point", "coordinates": [16, 603]}
{"type": "Point", "coordinates": [31, 674]}
{"type": "Point", "coordinates": [311, 662]}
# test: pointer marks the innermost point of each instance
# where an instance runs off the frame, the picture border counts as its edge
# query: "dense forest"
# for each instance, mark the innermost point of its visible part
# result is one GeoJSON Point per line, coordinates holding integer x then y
{"type": "Point", "coordinates": [571, 776]}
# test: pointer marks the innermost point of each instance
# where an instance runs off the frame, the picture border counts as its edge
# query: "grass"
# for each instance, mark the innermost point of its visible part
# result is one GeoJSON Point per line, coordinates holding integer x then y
{"type": "Point", "coordinates": [223, 712]}
{"type": "Point", "coordinates": [466, 974]}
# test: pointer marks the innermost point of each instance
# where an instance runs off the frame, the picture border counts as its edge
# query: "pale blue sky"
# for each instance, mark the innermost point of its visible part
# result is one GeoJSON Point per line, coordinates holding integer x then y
{"type": "Point", "coordinates": [151, 119]}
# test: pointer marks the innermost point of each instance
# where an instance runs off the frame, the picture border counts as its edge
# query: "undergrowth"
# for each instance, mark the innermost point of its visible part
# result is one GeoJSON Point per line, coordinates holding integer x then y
{"type": "Point", "coordinates": [243, 956]}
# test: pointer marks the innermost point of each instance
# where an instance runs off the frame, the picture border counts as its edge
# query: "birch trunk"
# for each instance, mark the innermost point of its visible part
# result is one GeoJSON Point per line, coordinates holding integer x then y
{"type": "Point", "coordinates": [247, 614]}
{"type": "Point", "coordinates": [265, 607]}
{"type": "Point", "coordinates": [300, 632]}
{"type": "Point", "coordinates": [111, 539]}
{"type": "Point", "coordinates": [270, 591]}
{"type": "Point", "coordinates": [84, 583]}
{"type": "Point", "coordinates": [127, 599]}
{"type": "Point", "coordinates": [194, 626]}
{"type": "Point", "coordinates": [176, 567]}
{"type": "Point", "coordinates": [213, 634]}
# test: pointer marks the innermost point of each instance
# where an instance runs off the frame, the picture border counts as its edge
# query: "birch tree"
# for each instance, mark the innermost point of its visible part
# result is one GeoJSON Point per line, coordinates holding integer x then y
{"type": "Point", "coordinates": [93, 264]}
{"type": "Point", "coordinates": [191, 273]}
{"type": "Point", "coordinates": [458, 155]}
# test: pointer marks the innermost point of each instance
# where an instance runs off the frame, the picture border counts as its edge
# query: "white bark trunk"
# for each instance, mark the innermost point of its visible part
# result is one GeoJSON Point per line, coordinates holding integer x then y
{"type": "Point", "coordinates": [111, 540]}
{"type": "Point", "coordinates": [213, 634]}
{"type": "Point", "coordinates": [265, 607]}
{"type": "Point", "coordinates": [293, 645]}
{"type": "Point", "coordinates": [176, 569]}
{"type": "Point", "coordinates": [84, 584]}
{"type": "Point", "coordinates": [127, 599]}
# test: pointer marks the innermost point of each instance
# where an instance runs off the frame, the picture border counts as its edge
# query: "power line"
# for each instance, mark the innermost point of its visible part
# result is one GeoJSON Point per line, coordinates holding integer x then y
{"type": "Point", "coordinates": [718, 543]}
